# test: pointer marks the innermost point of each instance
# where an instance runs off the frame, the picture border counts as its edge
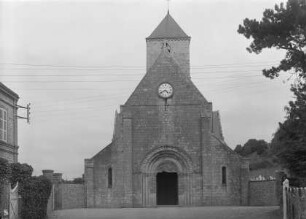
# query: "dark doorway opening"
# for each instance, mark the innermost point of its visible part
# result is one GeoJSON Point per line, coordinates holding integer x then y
{"type": "Point", "coordinates": [167, 188]}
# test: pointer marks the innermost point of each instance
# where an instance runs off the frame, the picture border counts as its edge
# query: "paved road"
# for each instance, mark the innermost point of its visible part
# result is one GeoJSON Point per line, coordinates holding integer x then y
{"type": "Point", "coordinates": [172, 213]}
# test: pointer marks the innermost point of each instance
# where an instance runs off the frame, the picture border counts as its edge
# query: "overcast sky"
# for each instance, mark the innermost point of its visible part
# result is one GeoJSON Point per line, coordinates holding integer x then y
{"type": "Point", "coordinates": [76, 62]}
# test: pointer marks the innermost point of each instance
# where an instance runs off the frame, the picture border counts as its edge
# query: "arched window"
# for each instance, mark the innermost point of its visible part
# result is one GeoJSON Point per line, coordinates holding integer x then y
{"type": "Point", "coordinates": [3, 125]}
{"type": "Point", "coordinates": [110, 177]}
{"type": "Point", "coordinates": [224, 175]}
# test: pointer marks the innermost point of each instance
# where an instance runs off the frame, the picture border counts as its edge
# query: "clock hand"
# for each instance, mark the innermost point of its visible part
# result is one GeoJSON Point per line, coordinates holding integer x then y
{"type": "Point", "coordinates": [165, 93]}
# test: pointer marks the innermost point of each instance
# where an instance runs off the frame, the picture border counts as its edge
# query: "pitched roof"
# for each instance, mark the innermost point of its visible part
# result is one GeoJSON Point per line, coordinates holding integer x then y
{"type": "Point", "coordinates": [217, 128]}
{"type": "Point", "coordinates": [8, 91]}
{"type": "Point", "coordinates": [168, 28]}
{"type": "Point", "coordinates": [104, 152]}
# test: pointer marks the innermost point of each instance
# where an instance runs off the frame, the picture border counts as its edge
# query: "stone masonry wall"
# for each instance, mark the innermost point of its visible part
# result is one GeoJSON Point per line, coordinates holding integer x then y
{"type": "Point", "coordinates": [72, 195]}
{"type": "Point", "coordinates": [9, 156]}
{"type": "Point", "coordinates": [262, 193]}
{"type": "Point", "coordinates": [9, 149]}
{"type": "Point", "coordinates": [179, 50]}
{"type": "Point", "coordinates": [229, 193]}
{"type": "Point", "coordinates": [98, 193]}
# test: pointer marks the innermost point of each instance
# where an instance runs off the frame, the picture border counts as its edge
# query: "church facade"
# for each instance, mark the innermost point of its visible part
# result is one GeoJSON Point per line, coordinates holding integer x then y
{"type": "Point", "coordinates": [167, 147]}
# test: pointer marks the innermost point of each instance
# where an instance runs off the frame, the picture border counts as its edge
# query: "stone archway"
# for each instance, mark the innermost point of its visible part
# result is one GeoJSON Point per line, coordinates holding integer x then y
{"type": "Point", "coordinates": [166, 167]}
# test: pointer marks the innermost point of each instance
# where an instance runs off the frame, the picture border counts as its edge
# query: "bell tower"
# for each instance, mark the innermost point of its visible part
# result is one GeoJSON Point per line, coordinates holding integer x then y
{"type": "Point", "coordinates": [169, 36]}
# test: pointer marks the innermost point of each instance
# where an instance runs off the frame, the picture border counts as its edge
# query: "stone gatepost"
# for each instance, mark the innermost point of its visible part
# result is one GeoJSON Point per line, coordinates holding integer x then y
{"type": "Point", "coordinates": [57, 178]}
{"type": "Point", "coordinates": [279, 178]}
{"type": "Point", "coordinates": [89, 183]}
{"type": "Point", "coordinates": [48, 174]}
{"type": "Point", "coordinates": [285, 188]}
{"type": "Point", "coordinates": [50, 206]}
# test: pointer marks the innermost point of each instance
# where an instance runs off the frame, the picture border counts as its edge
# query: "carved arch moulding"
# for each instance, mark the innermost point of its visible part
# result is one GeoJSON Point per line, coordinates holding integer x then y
{"type": "Point", "coordinates": [168, 159]}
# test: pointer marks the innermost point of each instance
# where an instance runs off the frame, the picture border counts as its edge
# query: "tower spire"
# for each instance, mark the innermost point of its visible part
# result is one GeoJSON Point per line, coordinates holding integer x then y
{"type": "Point", "coordinates": [168, 5]}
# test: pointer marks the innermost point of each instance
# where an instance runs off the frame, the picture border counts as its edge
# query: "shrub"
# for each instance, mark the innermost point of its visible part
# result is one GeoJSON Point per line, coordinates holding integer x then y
{"type": "Point", "coordinates": [297, 182]}
{"type": "Point", "coordinates": [260, 165]}
{"type": "Point", "coordinates": [78, 180]}
{"type": "Point", "coordinates": [35, 192]}
{"type": "Point", "coordinates": [5, 170]}
{"type": "Point", "coordinates": [20, 172]}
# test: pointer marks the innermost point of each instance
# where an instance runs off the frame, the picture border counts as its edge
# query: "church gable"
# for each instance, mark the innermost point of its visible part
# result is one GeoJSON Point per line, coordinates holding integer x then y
{"type": "Point", "coordinates": [165, 70]}
{"type": "Point", "coordinates": [166, 129]}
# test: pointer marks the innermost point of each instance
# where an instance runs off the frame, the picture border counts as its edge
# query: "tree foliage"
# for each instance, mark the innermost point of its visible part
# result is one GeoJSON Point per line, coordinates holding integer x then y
{"type": "Point", "coordinates": [35, 192]}
{"type": "Point", "coordinates": [238, 149]}
{"type": "Point", "coordinates": [289, 142]}
{"type": "Point", "coordinates": [5, 170]}
{"type": "Point", "coordinates": [283, 27]}
{"type": "Point", "coordinates": [20, 172]}
{"type": "Point", "coordinates": [78, 180]}
{"type": "Point", "coordinates": [5, 173]}
{"type": "Point", "coordinates": [251, 146]}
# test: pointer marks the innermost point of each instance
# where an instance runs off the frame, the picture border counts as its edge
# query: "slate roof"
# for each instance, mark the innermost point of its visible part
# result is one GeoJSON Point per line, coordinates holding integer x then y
{"type": "Point", "coordinates": [104, 152]}
{"type": "Point", "coordinates": [8, 91]}
{"type": "Point", "coordinates": [168, 28]}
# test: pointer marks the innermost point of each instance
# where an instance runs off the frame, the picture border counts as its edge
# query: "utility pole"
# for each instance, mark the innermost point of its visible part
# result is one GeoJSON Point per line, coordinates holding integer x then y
{"type": "Point", "coordinates": [28, 112]}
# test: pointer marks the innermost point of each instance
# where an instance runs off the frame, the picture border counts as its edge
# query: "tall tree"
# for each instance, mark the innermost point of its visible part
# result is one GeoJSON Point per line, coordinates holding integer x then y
{"type": "Point", "coordinates": [284, 27]}
{"type": "Point", "coordinates": [238, 149]}
{"type": "Point", "coordinates": [289, 142]}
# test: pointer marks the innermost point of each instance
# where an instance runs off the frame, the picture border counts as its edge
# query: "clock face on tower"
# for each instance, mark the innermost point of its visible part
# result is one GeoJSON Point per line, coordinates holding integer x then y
{"type": "Point", "coordinates": [165, 90]}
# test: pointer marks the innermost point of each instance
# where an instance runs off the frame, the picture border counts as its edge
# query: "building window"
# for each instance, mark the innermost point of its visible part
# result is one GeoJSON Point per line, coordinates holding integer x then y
{"type": "Point", "coordinates": [223, 175]}
{"type": "Point", "coordinates": [3, 124]}
{"type": "Point", "coordinates": [110, 177]}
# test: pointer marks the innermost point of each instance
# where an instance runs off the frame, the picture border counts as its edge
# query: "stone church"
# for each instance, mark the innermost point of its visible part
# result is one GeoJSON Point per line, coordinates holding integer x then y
{"type": "Point", "coordinates": [167, 147]}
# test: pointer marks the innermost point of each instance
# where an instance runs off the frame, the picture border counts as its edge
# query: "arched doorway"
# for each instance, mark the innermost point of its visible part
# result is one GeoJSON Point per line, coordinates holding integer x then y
{"type": "Point", "coordinates": [165, 177]}
{"type": "Point", "coordinates": [167, 188]}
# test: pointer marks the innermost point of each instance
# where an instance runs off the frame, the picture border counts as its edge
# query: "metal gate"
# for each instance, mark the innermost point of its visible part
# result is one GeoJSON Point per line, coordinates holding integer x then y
{"type": "Point", "coordinates": [13, 212]}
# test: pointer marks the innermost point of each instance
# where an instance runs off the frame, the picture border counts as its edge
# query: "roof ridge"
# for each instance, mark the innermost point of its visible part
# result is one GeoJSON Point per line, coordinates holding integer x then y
{"type": "Point", "coordinates": [8, 91]}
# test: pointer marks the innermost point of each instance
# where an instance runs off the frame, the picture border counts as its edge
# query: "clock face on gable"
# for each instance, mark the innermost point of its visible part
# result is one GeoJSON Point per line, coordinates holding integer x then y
{"type": "Point", "coordinates": [165, 90]}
